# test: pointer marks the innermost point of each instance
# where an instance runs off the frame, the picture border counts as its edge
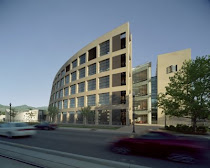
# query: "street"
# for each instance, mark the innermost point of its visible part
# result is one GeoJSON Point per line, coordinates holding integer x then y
{"type": "Point", "coordinates": [91, 143]}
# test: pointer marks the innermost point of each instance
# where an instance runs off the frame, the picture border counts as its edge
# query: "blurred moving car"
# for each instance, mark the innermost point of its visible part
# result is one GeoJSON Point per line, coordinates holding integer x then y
{"type": "Point", "coordinates": [163, 144]}
{"type": "Point", "coordinates": [46, 126]}
{"type": "Point", "coordinates": [13, 129]}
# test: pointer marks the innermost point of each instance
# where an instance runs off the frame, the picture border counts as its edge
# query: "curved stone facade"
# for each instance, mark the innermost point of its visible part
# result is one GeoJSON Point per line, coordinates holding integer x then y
{"type": "Point", "coordinates": [99, 75]}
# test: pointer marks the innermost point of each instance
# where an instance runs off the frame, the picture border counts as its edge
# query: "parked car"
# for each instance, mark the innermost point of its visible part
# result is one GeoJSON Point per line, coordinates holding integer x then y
{"type": "Point", "coordinates": [46, 126]}
{"type": "Point", "coordinates": [13, 129]}
{"type": "Point", "coordinates": [157, 143]}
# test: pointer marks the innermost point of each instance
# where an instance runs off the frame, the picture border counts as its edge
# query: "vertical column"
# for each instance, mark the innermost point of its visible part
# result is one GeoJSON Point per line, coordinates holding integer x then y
{"type": "Point", "coordinates": [96, 117]}
{"type": "Point", "coordinates": [67, 117]}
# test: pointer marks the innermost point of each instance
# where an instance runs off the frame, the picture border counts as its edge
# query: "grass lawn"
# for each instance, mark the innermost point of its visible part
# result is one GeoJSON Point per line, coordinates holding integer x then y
{"type": "Point", "coordinates": [89, 126]}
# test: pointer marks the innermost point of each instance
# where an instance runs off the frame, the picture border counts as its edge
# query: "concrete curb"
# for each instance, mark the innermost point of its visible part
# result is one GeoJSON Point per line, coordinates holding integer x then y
{"type": "Point", "coordinates": [75, 156]}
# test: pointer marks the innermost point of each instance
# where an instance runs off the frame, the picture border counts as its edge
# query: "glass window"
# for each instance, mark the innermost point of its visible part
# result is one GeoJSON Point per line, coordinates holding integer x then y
{"type": "Point", "coordinates": [73, 89]}
{"type": "Point", "coordinates": [104, 48]}
{"type": "Point", "coordinates": [62, 73]}
{"type": "Point", "coordinates": [139, 76]}
{"type": "Point", "coordinates": [61, 93]}
{"type": "Point", "coordinates": [92, 69]}
{"type": "Point", "coordinates": [104, 82]}
{"type": "Point", "coordinates": [91, 100]}
{"type": "Point", "coordinates": [92, 84]}
{"type": "Point", "coordinates": [81, 87]}
{"type": "Point", "coordinates": [67, 68]}
{"type": "Point", "coordinates": [62, 82]}
{"type": "Point", "coordinates": [92, 54]}
{"type": "Point", "coordinates": [140, 105]}
{"type": "Point", "coordinates": [74, 63]}
{"type": "Point", "coordinates": [67, 79]}
{"type": "Point", "coordinates": [57, 95]}
{"type": "Point", "coordinates": [72, 103]}
{"type": "Point", "coordinates": [58, 84]}
{"type": "Point", "coordinates": [71, 117]}
{"type": "Point", "coordinates": [82, 73]}
{"type": "Point", "coordinates": [82, 59]}
{"type": "Point", "coordinates": [66, 91]}
{"type": "Point", "coordinates": [65, 104]}
{"type": "Point", "coordinates": [104, 65]}
{"type": "Point", "coordinates": [60, 105]}
{"type": "Point", "coordinates": [104, 99]}
{"type": "Point", "coordinates": [73, 76]}
{"type": "Point", "coordinates": [80, 101]}
{"type": "Point", "coordinates": [103, 117]}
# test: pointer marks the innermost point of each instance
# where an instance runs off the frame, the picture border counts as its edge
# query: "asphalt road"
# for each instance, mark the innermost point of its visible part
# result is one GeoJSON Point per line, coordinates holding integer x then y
{"type": "Point", "coordinates": [94, 144]}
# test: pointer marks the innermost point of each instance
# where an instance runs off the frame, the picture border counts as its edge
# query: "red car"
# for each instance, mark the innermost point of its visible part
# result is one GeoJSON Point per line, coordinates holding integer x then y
{"type": "Point", "coordinates": [163, 144]}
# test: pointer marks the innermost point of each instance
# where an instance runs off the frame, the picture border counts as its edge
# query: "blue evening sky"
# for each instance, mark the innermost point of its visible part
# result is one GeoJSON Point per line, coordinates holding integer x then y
{"type": "Point", "coordinates": [38, 36]}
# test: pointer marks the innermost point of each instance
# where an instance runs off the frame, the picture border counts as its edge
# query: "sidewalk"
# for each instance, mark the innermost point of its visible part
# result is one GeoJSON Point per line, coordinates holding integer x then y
{"type": "Point", "coordinates": [46, 158]}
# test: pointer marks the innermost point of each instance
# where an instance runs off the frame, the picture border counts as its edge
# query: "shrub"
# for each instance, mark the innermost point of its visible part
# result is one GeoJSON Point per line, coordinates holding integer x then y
{"type": "Point", "coordinates": [201, 130]}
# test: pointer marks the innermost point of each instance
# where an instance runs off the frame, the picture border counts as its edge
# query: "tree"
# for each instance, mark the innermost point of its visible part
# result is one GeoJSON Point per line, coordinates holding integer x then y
{"type": "Point", "coordinates": [188, 93]}
{"type": "Point", "coordinates": [85, 111]}
{"type": "Point", "coordinates": [52, 112]}
{"type": "Point", "coordinates": [13, 113]}
{"type": "Point", "coordinates": [2, 113]}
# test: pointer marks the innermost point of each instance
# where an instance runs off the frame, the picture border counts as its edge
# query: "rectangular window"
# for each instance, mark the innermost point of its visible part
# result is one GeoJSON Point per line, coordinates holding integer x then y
{"type": "Point", "coordinates": [82, 73]}
{"type": "Point", "coordinates": [104, 65]}
{"type": "Point", "coordinates": [172, 68]}
{"type": "Point", "coordinates": [104, 82]}
{"type": "Point", "coordinates": [66, 79]}
{"type": "Point", "coordinates": [60, 105]}
{"type": "Point", "coordinates": [104, 99]}
{"type": "Point", "coordinates": [58, 84]}
{"type": "Point", "coordinates": [62, 73]}
{"type": "Point", "coordinates": [73, 89]}
{"type": "Point", "coordinates": [72, 103]}
{"type": "Point", "coordinates": [104, 48]}
{"type": "Point", "coordinates": [74, 64]}
{"type": "Point", "coordinates": [65, 104]}
{"type": "Point", "coordinates": [91, 100]}
{"type": "Point", "coordinates": [73, 76]}
{"type": "Point", "coordinates": [140, 105]}
{"type": "Point", "coordinates": [61, 93]}
{"type": "Point", "coordinates": [80, 101]}
{"type": "Point", "coordinates": [62, 82]}
{"type": "Point", "coordinates": [140, 76]}
{"type": "Point", "coordinates": [92, 84]}
{"type": "Point", "coordinates": [119, 42]}
{"type": "Point", "coordinates": [81, 87]}
{"type": "Point", "coordinates": [71, 117]}
{"type": "Point", "coordinates": [68, 68]}
{"type": "Point", "coordinates": [82, 59]}
{"type": "Point", "coordinates": [92, 69]}
{"type": "Point", "coordinates": [66, 91]}
{"type": "Point", "coordinates": [119, 61]}
{"type": "Point", "coordinates": [92, 54]}
{"type": "Point", "coordinates": [57, 95]}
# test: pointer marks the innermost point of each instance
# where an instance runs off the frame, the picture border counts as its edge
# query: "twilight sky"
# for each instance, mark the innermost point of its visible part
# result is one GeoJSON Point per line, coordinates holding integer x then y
{"type": "Point", "coordinates": [38, 36]}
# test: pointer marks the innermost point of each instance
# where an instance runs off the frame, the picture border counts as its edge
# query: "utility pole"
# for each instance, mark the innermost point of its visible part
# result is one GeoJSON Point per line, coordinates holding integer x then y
{"type": "Point", "coordinates": [10, 112]}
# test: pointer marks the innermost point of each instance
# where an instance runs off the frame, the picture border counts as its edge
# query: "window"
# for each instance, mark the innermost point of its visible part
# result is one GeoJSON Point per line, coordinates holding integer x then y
{"type": "Point", "coordinates": [72, 103]}
{"type": "Point", "coordinates": [62, 73]}
{"type": "Point", "coordinates": [80, 101]}
{"type": "Point", "coordinates": [74, 64]}
{"type": "Point", "coordinates": [82, 59]}
{"type": "Point", "coordinates": [68, 68]}
{"type": "Point", "coordinates": [92, 84]}
{"type": "Point", "coordinates": [81, 87]}
{"type": "Point", "coordinates": [62, 82]}
{"type": "Point", "coordinates": [104, 82]}
{"type": "Point", "coordinates": [65, 104]}
{"type": "Point", "coordinates": [140, 76]}
{"type": "Point", "coordinates": [67, 79]}
{"type": "Point", "coordinates": [104, 48]}
{"type": "Point", "coordinates": [92, 54]}
{"type": "Point", "coordinates": [58, 84]}
{"type": "Point", "coordinates": [104, 65]}
{"type": "Point", "coordinates": [91, 100]}
{"type": "Point", "coordinates": [92, 69]}
{"type": "Point", "coordinates": [104, 99]}
{"type": "Point", "coordinates": [119, 42]}
{"type": "Point", "coordinates": [82, 73]}
{"type": "Point", "coordinates": [71, 117]}
{"type": "Point", "coordinates": [118, 61]}
{"type": "Point", "coordinates": [57, 95]}
{"type": "Point", "coordinates": [119, 79]}
{"type": "Point", "coordinates": [119, 97]}
{"type": "Point", "coordinates": [73, 89]}
{"type": "Point", "coordinates": [73, 76]}
{"type": "Point", "coordinates": [172, 68]}
{"type": "Point", "coordinates": [140, 105]}
{"type": "Point", "coordinates": [66, 91]}
{"type": "Point", "coordinates": [60, 105]}
{"type": "Point", "coordinates": [61, 93]}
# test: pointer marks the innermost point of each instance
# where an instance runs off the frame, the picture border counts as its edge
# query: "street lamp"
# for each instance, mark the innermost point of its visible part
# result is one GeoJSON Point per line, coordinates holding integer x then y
{"type": "Point", "coordinates": [10, 112]}
{"type": "Point", "coordinates": [133, 113]}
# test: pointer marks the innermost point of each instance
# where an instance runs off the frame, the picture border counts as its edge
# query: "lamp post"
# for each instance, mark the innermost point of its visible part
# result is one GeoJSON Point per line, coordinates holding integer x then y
{"type": "Point", "coordinates": [133, 114]}
{"type": "Point", "coordinates": [10, 112]}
